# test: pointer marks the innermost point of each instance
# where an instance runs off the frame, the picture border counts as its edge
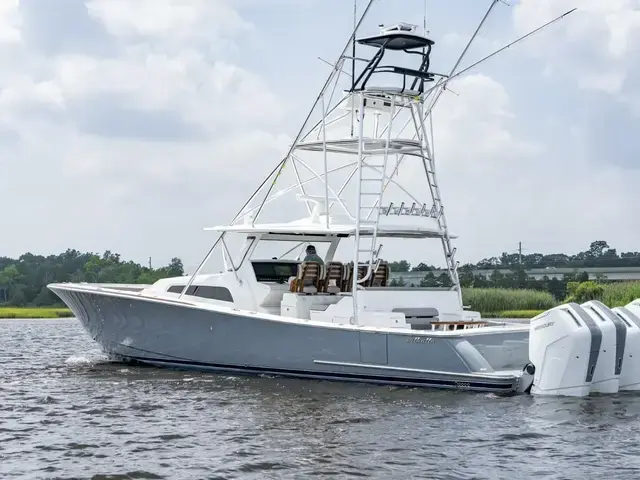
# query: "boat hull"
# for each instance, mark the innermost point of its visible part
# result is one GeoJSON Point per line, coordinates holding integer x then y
{"type": "Point", "coordinates": [164, 332]}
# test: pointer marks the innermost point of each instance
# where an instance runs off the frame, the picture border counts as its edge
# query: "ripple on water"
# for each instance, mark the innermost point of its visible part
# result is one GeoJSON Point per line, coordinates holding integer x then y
{"type": "Point", "coordinates": [65, 412]}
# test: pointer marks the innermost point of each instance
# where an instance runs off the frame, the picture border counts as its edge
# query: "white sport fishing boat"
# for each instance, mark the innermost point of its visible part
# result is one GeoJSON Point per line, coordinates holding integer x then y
{"type": "Point", "coordinates": [362, 173]}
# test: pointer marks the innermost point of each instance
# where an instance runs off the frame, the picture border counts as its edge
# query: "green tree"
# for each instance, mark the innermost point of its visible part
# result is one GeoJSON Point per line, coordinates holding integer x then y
{"type": "Point", "coordinates": [401, 266]}
{"type": "Point", "coordinates": [597, 248]}
{"type": "Point", "coordinates": [423, 267]}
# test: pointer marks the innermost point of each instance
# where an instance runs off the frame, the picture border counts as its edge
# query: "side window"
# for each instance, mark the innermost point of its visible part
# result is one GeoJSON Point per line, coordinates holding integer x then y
{"type": "Point", "coordinates": [215, 293]}
{"type": "Point", "coordinates": [204, 291]}
{"type": "Point", "coordinates": [179, 288]}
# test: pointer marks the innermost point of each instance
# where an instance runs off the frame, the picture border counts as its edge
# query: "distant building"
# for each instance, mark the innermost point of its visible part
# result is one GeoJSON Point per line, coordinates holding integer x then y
{"type": "Point", "coordinates": [606, 273]}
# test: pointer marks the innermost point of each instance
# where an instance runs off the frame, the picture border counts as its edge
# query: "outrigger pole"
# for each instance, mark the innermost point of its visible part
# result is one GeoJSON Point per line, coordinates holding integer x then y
{"type": "Point", "coordinates": [315, 104]}
{"type": "Point", "coordinates": [283, 162]}
{"type": "Point", "coordinates": [442, 83]}
{"type": "Point", "coordinates": [453, 75]}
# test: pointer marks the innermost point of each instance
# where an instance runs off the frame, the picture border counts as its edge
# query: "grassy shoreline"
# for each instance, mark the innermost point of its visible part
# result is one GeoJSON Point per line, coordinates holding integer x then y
{"type": "Point", "coordinates": [34, 312]}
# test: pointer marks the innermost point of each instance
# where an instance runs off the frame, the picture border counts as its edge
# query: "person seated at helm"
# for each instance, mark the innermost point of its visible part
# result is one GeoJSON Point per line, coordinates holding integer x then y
{"type": "Point", "coordinates": [312, 256]}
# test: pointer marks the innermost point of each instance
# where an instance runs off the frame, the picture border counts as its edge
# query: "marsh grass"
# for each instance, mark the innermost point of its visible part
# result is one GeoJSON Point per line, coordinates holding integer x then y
{"type": "Point", "coordinates": [619, 294]}
{"type": "Point", "coordinates": [35, 312]}
{"type": "Point", "coordinates": [527, 314]}
{"type": "Point", "coordinates": [494, 301]}
{"type": "Point", "coordinates": [490, 302]}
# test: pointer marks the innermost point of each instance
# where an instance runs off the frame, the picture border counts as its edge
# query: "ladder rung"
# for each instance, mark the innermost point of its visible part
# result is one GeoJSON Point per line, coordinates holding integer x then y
{"type": "Point", "coordinates": [370, 193]}
{"type": "Point", "coordinates": [373, 165]}
{"type": "Point", "coordinates": [371, 179]}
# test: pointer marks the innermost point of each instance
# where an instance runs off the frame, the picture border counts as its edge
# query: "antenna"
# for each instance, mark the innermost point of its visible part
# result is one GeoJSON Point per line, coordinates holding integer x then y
{"type": "Point", "coordinates": [353, 44]}
{"type": "Point", "coordinates": [424, 25]}
{"type": "Point", "coordinates": [353, 60]}
{"type": "Point", "coordinates": [424, 19]}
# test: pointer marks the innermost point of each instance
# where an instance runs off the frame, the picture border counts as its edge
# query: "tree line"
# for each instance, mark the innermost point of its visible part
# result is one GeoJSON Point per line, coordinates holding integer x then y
{"type": "Point", "coordinates": [599, 254]}
{"type": "Point", "coordinates": [24, 281]}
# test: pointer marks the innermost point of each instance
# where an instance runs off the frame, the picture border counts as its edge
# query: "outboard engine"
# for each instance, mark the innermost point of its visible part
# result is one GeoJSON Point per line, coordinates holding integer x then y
{"type": "Point", "coordinates": [606, 378]}
{"type": "Point", "coordinates": [563, 347]}
{"type": "Point", "coordinates": [634, 307]}
{"type": "Point", "coordinates": [630, 375]}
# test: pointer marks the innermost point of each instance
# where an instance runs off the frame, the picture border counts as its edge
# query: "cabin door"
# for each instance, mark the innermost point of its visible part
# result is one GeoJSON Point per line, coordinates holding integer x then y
{"type": "Point", "coordinates": [373, 348]}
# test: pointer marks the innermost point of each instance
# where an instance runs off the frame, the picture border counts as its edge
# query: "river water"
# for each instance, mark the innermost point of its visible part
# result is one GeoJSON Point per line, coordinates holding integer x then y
{"type": "Point", "coordinates": [65, 412]}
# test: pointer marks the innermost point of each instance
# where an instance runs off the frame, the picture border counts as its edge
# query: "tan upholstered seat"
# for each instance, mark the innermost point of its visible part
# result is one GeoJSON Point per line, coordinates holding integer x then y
{"type": "Point", "coordinates": [334, 278]}
{"type": "Point", "coordinates": [308, 278]}
{"type": "Point", "coordinates": [381, 276]}
{"type": "Point", "coordinates": [378, 278]}
{"type": "Point", "coordinates": [347, 279]}
{"type": "Point", "coordinates": [362, 271]}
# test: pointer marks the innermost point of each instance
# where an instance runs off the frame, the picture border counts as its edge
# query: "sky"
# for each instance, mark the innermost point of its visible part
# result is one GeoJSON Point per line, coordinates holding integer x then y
{"type": "Point", "coordinates": [129, 125]}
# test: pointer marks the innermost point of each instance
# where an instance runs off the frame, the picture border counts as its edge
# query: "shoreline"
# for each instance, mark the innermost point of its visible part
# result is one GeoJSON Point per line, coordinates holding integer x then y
{"type": "Point", "coordinates": [44, 313]}
{"type": "Point", "coordinates": [34, 313]}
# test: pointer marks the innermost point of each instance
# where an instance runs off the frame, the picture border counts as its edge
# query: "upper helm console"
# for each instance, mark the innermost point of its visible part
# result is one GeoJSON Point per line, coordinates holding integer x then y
{"type": "Point", "coordinates": [398, 37]}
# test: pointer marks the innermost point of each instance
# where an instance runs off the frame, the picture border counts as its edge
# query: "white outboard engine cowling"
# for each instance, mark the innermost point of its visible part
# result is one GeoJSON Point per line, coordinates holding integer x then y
{"type": "Point", "coordinates": [634, 307]}
{"type": "Point", "coordinates": [606, 378]}
{"type": "Point", "coordinates": [630, 375]}
{"type": "Point", "coordinates": [563, 347]}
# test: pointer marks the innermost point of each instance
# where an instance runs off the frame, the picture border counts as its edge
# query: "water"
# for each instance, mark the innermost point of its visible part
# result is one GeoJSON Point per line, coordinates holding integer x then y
{"type": "Point", "coordinates": [67, 413]}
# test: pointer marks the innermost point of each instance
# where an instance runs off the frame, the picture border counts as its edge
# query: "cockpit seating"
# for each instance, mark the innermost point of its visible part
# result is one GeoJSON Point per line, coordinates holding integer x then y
{"type": "Point", "coordinates": [348, 278]}
{"type": "Point", "coordinates": [309, 277]}
{"type": "Point", "coordinates": [333, 282]}
{"type": "Point", "coordinates": [381, 276]}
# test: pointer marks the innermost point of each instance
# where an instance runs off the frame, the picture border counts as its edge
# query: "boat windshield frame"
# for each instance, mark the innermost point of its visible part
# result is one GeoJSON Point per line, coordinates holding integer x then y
{"type": "Point", "coordinates": [247, 251]}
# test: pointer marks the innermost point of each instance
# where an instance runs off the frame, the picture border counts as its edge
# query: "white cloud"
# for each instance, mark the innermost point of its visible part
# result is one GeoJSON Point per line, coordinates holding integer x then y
{"type": "Point", "coordinates": [137, 146]}
{"type": "Point", "coordinates": [501, 185]}
{"type": "Point", "coordinates": [157, 136]}
{"type": "Point", "coordinates": [207, 93]}
{"type": "Point", "coordinates": [597, 44]}
{"type": "Point", "coordinates": [9, 22]}
{"type": "Point", "coordinates": [177, 19]}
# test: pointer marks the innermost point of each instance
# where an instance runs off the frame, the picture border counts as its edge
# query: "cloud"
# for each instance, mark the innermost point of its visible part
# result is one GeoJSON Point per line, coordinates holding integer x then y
{"type": "Point", "coordinates": [174, 20]}
{"type": "Point", "coordinates": [501, 185]}
{"type": "Point", "coordinates": [10, 22]}
{"type": "Point", "coordinates": [131, 125]}
{"type": "Point", "coordinates": [597, 45]}
{"type": "Point", "coordinates": [123, 129]}
{"type": "Point", "coordinates": [63, 26]}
